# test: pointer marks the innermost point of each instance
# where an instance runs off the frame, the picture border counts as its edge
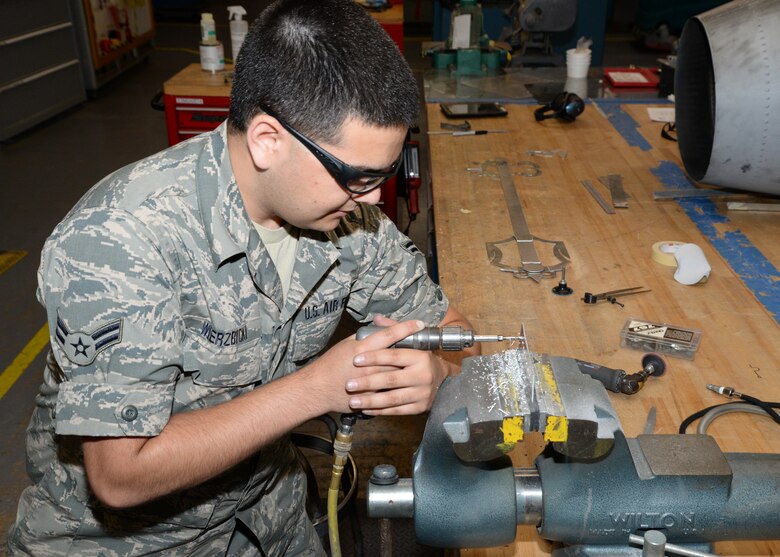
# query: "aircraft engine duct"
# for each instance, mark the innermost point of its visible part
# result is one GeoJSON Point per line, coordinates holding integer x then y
{"type": "Point", "coordinates": [727, 96]}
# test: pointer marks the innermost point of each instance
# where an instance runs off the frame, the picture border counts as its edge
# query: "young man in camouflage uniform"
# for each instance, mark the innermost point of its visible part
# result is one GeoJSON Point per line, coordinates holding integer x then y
{"type": "Point", "coordinates": [189, 293]}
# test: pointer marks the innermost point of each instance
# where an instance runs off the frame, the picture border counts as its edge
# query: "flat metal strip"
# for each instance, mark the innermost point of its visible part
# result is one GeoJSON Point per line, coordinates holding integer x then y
{"type": "Point", "coordinates": [523, 237]}
{"type": "Point", "coordinates": [598, 197]}
{"type": "Point", "coordinates": [615, 184]}
{"type": "Point", "coordinates": [693, 192]}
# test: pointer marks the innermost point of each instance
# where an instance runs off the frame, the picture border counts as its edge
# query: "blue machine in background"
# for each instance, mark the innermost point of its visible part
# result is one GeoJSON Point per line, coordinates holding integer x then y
{"type": "Point", "coordinates": [590, 22]}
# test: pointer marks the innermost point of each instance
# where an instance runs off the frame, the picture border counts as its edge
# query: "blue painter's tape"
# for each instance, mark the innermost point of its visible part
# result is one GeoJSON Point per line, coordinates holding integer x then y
{"type": "Point", "coordinates": [755, 270]}
{"type": "Point", "coordinates": [624, 124]}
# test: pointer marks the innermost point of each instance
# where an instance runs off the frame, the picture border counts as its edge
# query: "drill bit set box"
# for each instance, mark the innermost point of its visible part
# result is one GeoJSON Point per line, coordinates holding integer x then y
{"type": "Point", "coordinates": [672, 340]}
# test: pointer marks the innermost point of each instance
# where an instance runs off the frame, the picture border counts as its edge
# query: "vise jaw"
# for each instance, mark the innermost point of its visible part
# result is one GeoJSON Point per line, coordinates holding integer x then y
{"type": "Point", "coordinates": [497, 399]}
{"type": "Point", "coordinates": [478, 416]}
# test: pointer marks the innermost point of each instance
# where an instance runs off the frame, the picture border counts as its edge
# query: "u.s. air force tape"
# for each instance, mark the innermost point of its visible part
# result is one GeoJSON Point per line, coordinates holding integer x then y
{"type": "Point", "coordinates": [663, 252]}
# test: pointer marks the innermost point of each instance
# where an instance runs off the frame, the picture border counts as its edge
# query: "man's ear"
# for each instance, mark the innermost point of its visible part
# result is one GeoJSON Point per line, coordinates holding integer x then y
{"type": "Point", "coordinates": [265, 140]}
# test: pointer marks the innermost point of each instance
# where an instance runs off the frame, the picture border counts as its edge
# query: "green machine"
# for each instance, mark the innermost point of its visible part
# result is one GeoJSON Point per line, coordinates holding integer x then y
{"type": "Point", "coordinates": [468, 51]}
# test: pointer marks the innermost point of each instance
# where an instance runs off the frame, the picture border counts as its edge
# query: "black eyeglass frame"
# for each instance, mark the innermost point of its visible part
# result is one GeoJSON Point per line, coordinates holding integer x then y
{"type": "Point", "coordinates": [342, 172]}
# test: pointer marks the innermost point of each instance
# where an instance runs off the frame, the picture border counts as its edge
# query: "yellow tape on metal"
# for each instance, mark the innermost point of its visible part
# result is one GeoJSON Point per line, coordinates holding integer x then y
{"type": "Point", "coordinates": [557, 429]}
{"type": "Point", "coordinates": [513, 429]}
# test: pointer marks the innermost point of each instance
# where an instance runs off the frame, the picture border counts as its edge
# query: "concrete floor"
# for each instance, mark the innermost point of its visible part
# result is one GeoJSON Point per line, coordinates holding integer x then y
{"type": "Point", "coordinates": [45, 170]}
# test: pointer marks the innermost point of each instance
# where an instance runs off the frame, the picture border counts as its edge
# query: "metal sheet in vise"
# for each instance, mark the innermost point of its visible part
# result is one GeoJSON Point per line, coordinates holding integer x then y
{"type": "Point", "coordinates": [496, 399]}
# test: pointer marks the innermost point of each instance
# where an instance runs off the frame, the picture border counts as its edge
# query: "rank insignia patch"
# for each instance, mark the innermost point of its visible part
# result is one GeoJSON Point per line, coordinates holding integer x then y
{"type": "Point", "coordinates": [82, 348]}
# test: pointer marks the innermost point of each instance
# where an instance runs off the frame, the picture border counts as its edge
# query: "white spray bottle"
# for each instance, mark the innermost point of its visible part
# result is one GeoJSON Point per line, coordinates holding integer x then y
{"type": "Point", "coordinates": [238, 28]}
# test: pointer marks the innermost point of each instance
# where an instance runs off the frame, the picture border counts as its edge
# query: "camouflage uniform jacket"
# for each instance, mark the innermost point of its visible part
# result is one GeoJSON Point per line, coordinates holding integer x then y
{"type": "Point", "coordinates": [161, 299]}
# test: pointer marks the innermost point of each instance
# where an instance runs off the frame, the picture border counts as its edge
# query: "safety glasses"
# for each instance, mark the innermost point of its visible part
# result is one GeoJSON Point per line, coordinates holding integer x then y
{"type": "Point", "coordinates": [348, 177]}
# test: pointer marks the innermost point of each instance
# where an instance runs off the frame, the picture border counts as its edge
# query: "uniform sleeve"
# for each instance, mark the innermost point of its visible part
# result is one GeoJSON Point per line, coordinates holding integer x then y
{"type": "Point", "coordinates": [393, 277]}
{"type": "Point", "coordinates": [115, 325]}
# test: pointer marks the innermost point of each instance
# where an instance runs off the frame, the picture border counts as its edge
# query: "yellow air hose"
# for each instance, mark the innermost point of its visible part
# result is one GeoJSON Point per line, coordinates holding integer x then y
{"type": "Point", "coordinates": [341, 447]}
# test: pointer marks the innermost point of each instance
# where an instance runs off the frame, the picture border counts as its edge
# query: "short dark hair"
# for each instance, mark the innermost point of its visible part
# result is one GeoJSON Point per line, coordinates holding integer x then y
{"type": "Point", "coordinates": [317, 63]}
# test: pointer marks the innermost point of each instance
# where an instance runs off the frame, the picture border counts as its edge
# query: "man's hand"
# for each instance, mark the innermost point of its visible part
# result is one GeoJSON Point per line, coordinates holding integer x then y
{"type": "Point", "coordinates": [395, 380]}
{"type": "Point", "coordinates": [365, 366]}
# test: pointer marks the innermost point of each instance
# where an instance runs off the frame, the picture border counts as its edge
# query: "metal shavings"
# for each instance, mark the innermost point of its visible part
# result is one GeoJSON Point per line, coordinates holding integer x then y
{"type": "Point", "coordinates": [512, 384]}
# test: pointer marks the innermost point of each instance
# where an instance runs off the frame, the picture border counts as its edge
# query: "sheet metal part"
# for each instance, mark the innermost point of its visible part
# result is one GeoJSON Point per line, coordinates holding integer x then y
{"type": "Point", "coordinates": [598, 197]}
{"type": "Point", "coordinates": [462, 127]}
{"type": "Point", "coordinates": [688, 193]}
{"type": "Point", "coordinates": [527, 169]}
{"type": "Point", "coordinates": [650, 421]}
{"type": "Point", "coordinates": [739, 206]}
{"type": "Point", "coordinates": [531, 265]}
{"type": "Point", "coordinates": [615, 184]}
{"type": "Point", "coordinates": [548, 154]}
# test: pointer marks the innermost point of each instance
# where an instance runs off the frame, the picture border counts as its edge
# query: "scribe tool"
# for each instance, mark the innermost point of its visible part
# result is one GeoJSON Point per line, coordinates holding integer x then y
{"type": "Point", "coordinates": [467, 132]}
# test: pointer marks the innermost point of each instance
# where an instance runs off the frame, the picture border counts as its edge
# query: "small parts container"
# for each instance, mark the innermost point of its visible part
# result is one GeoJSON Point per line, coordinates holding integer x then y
{"type": "Point", "coordinates": [672, 340]}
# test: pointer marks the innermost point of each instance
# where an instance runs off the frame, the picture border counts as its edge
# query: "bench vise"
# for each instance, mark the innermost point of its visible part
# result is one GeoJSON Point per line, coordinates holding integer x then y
{"type": "Point", "coordinates": [591, 488]}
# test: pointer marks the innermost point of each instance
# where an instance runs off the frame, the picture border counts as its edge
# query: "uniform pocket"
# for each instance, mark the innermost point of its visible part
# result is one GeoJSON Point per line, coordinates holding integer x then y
{"type": "Point", "coordinates": [237, 364]}
{"type": "Point", "coordinates": [310, 337]}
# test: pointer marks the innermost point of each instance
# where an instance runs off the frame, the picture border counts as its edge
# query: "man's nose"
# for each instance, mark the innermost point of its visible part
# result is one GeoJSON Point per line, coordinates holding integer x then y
{"type": "Point", "coordinates": [372, 197]}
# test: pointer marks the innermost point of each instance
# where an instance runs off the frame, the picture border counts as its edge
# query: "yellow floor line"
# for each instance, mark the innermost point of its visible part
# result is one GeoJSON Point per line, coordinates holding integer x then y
{"type": "Point", "coordinates": [9, 258]}
{"type": "Point", "coordinates": [23, 360]}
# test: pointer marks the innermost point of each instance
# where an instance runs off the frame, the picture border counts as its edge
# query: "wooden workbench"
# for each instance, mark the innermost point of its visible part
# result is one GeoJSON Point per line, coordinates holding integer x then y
{"type": "Point", "coordinates": [734, 309]}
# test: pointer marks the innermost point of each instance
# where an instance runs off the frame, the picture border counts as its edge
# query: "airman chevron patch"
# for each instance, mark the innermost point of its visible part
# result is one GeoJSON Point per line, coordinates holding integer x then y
{"type": "Point", "coordinates": [82, 348]}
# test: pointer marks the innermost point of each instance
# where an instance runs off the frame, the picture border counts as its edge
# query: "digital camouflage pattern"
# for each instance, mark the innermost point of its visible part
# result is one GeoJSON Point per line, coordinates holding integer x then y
{"type": "Point", "coordinates": [161, 298]}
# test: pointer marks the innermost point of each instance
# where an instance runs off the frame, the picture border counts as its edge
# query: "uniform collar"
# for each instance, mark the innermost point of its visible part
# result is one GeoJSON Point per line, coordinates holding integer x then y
{"type": "Point", "coordinates": [229, 230]}
{"type": "Point", "coordinates": [225, 219]}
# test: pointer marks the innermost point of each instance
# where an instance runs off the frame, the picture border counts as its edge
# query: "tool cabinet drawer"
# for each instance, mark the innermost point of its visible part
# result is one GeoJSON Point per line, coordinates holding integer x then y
{"type": "Point", "coordinates": [26, 16]}
{"type": "Point", "coordinates": [32, 101]}
{"type": "Point", "coordinates": [200, 118]}
{"type": "Point", "coordinates": [23, 56]}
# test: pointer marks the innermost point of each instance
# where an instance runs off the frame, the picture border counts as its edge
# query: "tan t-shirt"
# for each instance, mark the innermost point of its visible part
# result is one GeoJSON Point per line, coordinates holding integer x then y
{"type": "Point", "coordinates": [281, 244]}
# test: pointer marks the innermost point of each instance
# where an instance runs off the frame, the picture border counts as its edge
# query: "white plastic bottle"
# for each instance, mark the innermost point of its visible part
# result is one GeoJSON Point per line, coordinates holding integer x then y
{"type": "Point", "coordinates": [212, 53]}
{"type": "Point", "coordinates": [238, 28]}
{"type": "Point", "coordinates": [208, 29]}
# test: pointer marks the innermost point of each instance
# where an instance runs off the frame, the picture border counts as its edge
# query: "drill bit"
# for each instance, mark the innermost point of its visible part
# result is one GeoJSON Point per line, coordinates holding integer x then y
{"type": "Point", "coordinates": [496, 338]}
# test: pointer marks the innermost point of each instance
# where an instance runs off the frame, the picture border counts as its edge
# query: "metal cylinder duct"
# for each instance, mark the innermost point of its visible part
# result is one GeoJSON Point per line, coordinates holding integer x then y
{"type": "Point", "coordinates": [727, 88]}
